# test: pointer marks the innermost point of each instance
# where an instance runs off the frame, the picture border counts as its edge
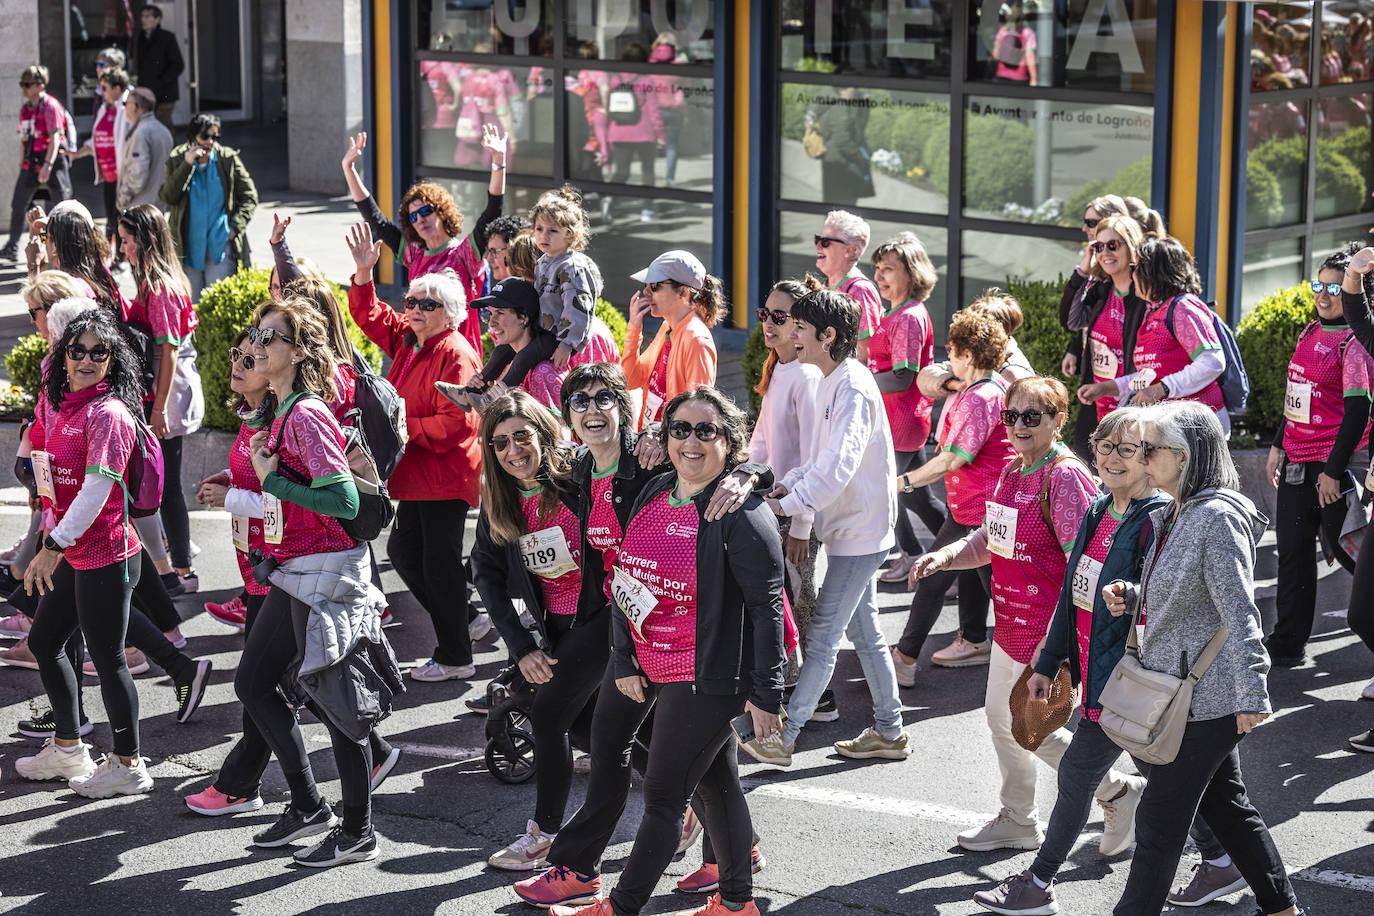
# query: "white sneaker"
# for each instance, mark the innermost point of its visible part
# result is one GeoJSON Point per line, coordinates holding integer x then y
{"type": "Point", "coordinates": [432, 672]}
{"type": "Point", "coordinates": [906, 671]}
{"type": "Point", "coordinates": [1118, 818]}
{"type": "Point", "coordinates": [691, 831]}
{"type": "Point", "coordinates": [479, 626]}
{"type": "Point", "coordinates": [527, 853]}
{"type": "Point", "coordinates": [963, 654]}
{"type": "Point", "coordinates": [897, 572]}
{"type": "Point", "coordinates": [53, 762]}
{"type": "Point", "coordinates": [1002, 833]}
{"type": "Point", "coordinates": [1368, 692]}
{"type": "Point", "coordinates": [111, 777]}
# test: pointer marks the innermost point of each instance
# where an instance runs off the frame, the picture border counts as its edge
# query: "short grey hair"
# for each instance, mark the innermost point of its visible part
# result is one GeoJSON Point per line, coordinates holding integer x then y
{"type": "Point", "coordinates": [853, 228]}
{"type": "Point", "coordinates": [443, 286]}
{"type": "Point", "coordinates": [1193, 428]}
{"type": "Point", "coordinates": [113, 55]}
{"type": "Point", "coordinates": [63, 311]}
{"type": "Point", "coordinates": [1114, 424]}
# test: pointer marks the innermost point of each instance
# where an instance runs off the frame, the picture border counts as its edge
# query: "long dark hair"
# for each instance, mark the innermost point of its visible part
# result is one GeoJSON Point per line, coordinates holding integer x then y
{"type": "Point", "coordinates": [158, 268]}
{"type": "Point", "coordinates": [1165, 269]}
{"type": "Point", "coordinates": [1339, 260]}
{"type": "Point", "coordinates": [82, 252]}
{"type": "Point", "coordinates": [125, 377]}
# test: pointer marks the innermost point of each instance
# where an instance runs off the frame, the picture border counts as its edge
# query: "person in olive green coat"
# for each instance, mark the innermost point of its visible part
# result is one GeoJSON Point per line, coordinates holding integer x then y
{"type": "Point", "coordinates": [208, 217]}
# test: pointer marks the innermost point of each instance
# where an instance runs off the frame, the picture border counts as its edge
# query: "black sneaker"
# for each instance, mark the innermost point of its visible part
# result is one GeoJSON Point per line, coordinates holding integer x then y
{"type": "Point", "coordinates": [9, 253]}
{"type": "Point", "coordinates": [337, 848]}
{"type": "Point", "coordinates": [292, 825]}
{"type": "Point", "coordinates": [1284, 657]}
{"type": "Point", "coordinates": [8, 584]}
{"type": "Point", "coordinates": [826, 710]}
{"type": "Point", "coordinates": [190, 693]}
{"type": "Point", "coordinates": [1364, 742]}
{"type": "Point", "coordinates": [172, 582]}
{"type": "Point", "coordinates": [44, 725]}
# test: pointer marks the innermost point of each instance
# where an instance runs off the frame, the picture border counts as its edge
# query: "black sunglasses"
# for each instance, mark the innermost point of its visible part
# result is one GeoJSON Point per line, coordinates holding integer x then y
{"type": "Point", "coordinates": [778, 317]}
{"type": "Point", "coordinates": [261, 337]}
{"type": "Point", "coordinates": [98, 354]}
{"type": "Point", "coordinates": [1124, 449]}
{"type": "Point", "coordinates": [1029, 417]}
{"type": "Point", "coordinates": [681, 429]}
{"type": "Point", "coordinates": [1091, 223]}
{"type": "Point", "coordinates": [34, 313]}
{"type": "Point", "coordinates": [246, 360]}
{"type": "Point", "coordinates": [213, 138]}
{"type": "Point", "coordinates": [519, 437]}
{"type": "Point", "coordinates": [424, 211]}
{"type": "Point", "coordinates": [581, 402]}
{"type": "Point", "coordinates": [424, 305]}
{"type": "Point", "coordinates": [658, 285]}
{"type": "Point", "coordinates": [1149, 449]}
{"type": "Point", "coordinates": [825, 241]}
{"type": "Point", "coordinates": [1109, 245]}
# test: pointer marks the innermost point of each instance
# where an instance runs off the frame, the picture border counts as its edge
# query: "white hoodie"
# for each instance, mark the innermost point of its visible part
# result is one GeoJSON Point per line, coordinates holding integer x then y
{"type": "Point", "coordinates": [846, 478]}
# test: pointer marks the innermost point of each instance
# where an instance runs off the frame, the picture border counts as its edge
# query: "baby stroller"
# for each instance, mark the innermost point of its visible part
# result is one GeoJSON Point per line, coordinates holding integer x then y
{"type": "Point", "coordinates": [510, 737]}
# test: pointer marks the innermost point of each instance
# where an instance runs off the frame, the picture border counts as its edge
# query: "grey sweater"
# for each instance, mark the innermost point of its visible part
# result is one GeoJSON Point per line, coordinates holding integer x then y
{"type": "Point", "coordinates": [1203, 578]}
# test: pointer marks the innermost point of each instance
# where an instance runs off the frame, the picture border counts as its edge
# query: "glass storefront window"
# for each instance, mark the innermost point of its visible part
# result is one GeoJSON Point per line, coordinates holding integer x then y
{"type": "Point", "coordinates": [492, 27]}
{"type": "Point", "coordinates": [654, 30]}
{"type": "Point", "coordinates": [989, 258]}
{"type": "Point", "coordinates": [1276, 165]}
{"type": "Point", "coordinates": [456, 99]}
{"type": "Point", "coordinates": [798, 247]}
{"type": "Point", "coordinates": [1325, 244]}
{"type": "Point", "coordinates": [1039, 161]}
{"type": "Point", "coordinates": [875, 37]}
{"type": "Point", "coordinates": [93, 26]}
{"type": "Point", "coordinates": [1268, 266]}
{"type": "Point", "coordinates": [1348, 26]}
{"type": "Point", "coordinates": [1083, 44]}
{"type": "Point", "coordinates": [848, 146]}
{"type": "Point", "coordinates": [1345, 161]}
{"type": "Point", "coordinates": [637, 128]}
{"type": "Point", "coordinates": [1281, 46]}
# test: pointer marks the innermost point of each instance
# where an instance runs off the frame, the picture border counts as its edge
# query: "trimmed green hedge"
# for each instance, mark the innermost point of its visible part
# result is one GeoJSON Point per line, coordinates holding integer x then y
{"type": "Point", "coordinates": [755, 354]}
{"type": "Point", "coordinates": [224, 310]}
{"type": "Point", "coordinates": [1267, 337]}
{"type": "Point", "coordinates": [25, 366]}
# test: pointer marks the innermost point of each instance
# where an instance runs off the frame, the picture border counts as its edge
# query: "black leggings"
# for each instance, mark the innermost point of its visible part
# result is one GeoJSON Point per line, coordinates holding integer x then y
{"type": "Point", "coordinates": [240, 776]}
{"type": "Point", "coordinates": [581, 652]}
{"type": "Point", "coordinates": [150, 597]}
{"type": "Point", "coordinates": [1298, 517]}
{"type": "Point", "coordinates": [96, 603]}
{"type": "Point", "coordinates": [175, 519]}
{"type": "Point", "coordinates": [920, 503]}
{"type": "Point", "coordinates": [1360, 617]}
{"type": "Point", "coordinates": [425, 548]}
{"type": "Point", "coordinates": [974, 587]}
{"type": "Point", "coordinates": [272, 647]}
{"type": "Point", "coordinates": [541, 346]}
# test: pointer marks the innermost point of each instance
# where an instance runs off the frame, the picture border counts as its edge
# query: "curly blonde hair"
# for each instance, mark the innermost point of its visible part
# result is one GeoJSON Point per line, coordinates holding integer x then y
{"type": "Point", "coordinates": [315, 371]}
{"type": "Point", "coordinates": [563, 207]}
{"type": "Point", "coordinates": [445, 207]}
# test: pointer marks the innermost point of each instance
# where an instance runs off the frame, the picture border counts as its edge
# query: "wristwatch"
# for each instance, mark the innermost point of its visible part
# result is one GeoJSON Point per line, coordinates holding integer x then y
{"type": "Point", "coordinates": [906, 483]}
{"type": "Point", "coordinates": [50, 544]}
{"type": "Point", "coordinates": [1165, 388]}
{"type": "Point", "coordinates": [497, 166]}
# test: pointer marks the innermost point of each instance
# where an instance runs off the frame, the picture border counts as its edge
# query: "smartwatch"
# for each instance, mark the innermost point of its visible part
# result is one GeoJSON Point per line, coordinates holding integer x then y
{"type": "Point", "coordinates": [50, 544]}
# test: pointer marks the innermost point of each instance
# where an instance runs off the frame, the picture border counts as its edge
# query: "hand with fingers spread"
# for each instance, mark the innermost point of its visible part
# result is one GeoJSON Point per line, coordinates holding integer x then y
{"type": "Point", "coordinates": [279, 228]}
{"type": "Point", "coordinates": [365, 251]}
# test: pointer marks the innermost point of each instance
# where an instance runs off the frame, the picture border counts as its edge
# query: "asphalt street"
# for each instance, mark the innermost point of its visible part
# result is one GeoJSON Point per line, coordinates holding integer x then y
{"type": "Point", "coordinates": [840, 836]}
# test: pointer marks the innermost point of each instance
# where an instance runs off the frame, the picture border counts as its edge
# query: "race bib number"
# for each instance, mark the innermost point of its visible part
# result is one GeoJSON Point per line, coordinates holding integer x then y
{"type": "Point", "coordinates": [633, 598]}
{"type": "Point", "coordinates": [546, 553]}
{"type": "Point", "coordinates": [653, 407]}
{"type": "Point", "coordinates": [1105, 363]}
{"type": "Point", "coordinates": [42, 473]}
{"type": "Point", "coordinates": [271, 519]}
{"type": "Point", "coordinates": [1297, 402]}
{"type": "Point", "coordinates": [1143, 379]}
{"type": "Point", "coordinates": [238, 530]}
{"type": "Point", "coordinates": [1085, 582]}
{"type": "Point", "coordinates": [1000, 524]}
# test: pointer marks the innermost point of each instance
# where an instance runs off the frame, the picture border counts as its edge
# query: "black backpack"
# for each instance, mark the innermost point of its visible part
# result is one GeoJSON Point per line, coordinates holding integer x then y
{"type": "Point", "coordinates": [1234, 380]}
{"type": "Point", "coordinates": [622, 104]}
{"type": "Point", "coordinates": [379, 414]}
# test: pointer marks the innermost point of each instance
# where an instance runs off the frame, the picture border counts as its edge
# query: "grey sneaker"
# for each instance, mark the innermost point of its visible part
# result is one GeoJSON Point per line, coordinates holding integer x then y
{"type": "Point", "coordinates": [292, 825]}
{"type": "Point", "coordinates": [337, 848]}
{"type": "Point", "coordinates": [112, 777]}
{"type": "Point", "coordinates": [1118, 818]}
{"type": "Point", "coordinates": [770, 750]}
{"type": "Point", "coordinates": [1209, 882]}
{"type": "Point", "coordinates": [870, 744]}
{"type": "Point", "coordinates": [1019, 895]}
{"type": "Point", "coordinates": [1001, 833]}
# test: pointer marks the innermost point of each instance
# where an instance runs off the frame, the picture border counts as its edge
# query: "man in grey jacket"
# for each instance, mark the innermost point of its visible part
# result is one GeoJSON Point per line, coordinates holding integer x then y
{"type": "Point", "coordinates": [146, 147]}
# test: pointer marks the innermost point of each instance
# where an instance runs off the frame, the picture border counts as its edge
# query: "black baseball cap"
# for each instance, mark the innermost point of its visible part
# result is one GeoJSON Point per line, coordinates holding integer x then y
{"type": "Point", "coordinates": [512, 293]}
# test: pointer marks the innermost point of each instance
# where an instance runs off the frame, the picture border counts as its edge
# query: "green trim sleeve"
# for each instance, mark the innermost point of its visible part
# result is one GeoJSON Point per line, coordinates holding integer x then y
{"type": "Point", "coordinates": [336, 496]}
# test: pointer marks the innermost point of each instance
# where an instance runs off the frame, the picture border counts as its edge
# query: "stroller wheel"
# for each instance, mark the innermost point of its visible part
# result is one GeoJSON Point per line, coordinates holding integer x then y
{"type": "Point", "coordinates": [515, 765]}
{"type": "Point", "coordinates": [517, 719]}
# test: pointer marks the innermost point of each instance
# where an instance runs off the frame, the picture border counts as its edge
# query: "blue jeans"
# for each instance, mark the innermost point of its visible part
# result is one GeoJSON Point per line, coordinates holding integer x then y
{"type": "Point", "coordinates": [846, 606]}
{"type": "Point", "coordinates": [212, 274]}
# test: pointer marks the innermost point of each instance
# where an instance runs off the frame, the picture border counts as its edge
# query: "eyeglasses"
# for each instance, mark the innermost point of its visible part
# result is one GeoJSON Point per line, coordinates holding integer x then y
{"type": "Point", "coordinates": [1030, 418]}
{"type": "Point", "coordinates": [658, 285]}
{"type": "Point", "coordinates": [424, 211]}
{"type": "Point", "coordinates": [581, 402]}
{"type": "Point", "coordinates": [778, 317]}
{"type": "Point", "coordinates": [213, 138]}
{"type": "Point", "coordinates": [519, 437]}
{"type": "Point", "coordinates": [1148, 449]}
{"type": "Point", "coordinates": [825, 241]}
{"type": "Point", "coordinates": [261, 337]}
{"type": "Point", "coordinates": [492, 251]}
{"type": "Point", "coordinates": [424, 305]}
{"type": "Point", "coordinates": [34, 313]}
{"type": "Point", "coordinates": [681, 429]}
{"type": "Point", "coordinates": [1332, 289]}
{"type": "Point", "coordinates": [27, 84]}
{"type": "Point", "coordinates": [1108, 245]}
{"type": "Point", "coordinates": [1124, 449]}
{"type": "Point", "coordinates": [238, 358]}
{"type": "Point", "coordinates": [98, 354]}
{"type": "Point", "coordinates": [1091, 223]}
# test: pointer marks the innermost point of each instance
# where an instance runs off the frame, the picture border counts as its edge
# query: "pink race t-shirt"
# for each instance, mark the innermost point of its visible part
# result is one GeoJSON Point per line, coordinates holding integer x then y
{"type": "Point", "coordinates": [243, 477]}
{"type": "Point", "coordinates": [603, 526]}
{"type": "Point", "coordinates": [462, 257]}
{"type": "Point", "coordinates": [1162, 354]}
{"type": "Point", "coordinates": [660, 552]}
{"type": "Point", "coordinates": [543, 383]}
{"type": "Point", "coordinates": [905, 340]}
{"type": "Point", "coordinates": [345, 390]}
{"type": "Point", "coordinates": [103, 139]}
{"type": "Point", "coordinates": [1328, 366]}
{"type": "Point", "coordinates": [1010, 49]}
{"type": "Point", "coordinates": [38, 123]}
{"type": "Point", "coordinates": [552, 552]}
{"type": "Point", "coordinates": [971, 427]}
{"type": "Point", "coordinates": [1029, 558]}
{"type": "Point", "coordinates": [599, 348]}
{"type": "Point", "coordinates": [1099, 545]}
{"type": "Point", "coordinates": [93, 434]}
{"type": "Point", "coordinates": [312, 445]}
{"type": "Point", "coordinates": [657, 398]}
{"type": "Point", "coordinates": [861, 289]}
{"type": "Point", "coordinates": [168, 313]}
{"type": "Point", "coordinates": [1109, 356]}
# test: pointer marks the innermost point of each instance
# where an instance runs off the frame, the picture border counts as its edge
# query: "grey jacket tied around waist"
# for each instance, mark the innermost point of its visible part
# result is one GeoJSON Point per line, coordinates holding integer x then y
{"type": "Point", "coordinates": [1203, 577]}
{"type": "Point", "coordinates": [344, 604]}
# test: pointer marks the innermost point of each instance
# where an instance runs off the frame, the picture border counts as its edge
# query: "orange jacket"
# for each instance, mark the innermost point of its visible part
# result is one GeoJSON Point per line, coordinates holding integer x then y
{"type": "Point", "coordinates": [691, 360]}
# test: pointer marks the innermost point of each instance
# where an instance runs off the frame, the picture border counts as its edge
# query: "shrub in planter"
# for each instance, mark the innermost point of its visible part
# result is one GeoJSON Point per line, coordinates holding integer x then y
{"type": "Point", "coordinates": [224, 310]}
{"type": "Point", "coordinates": [25, 366]}
{"type": "Point", "coordinates": [755, 353]}
{"type": "Point", "coordinates": [1263, 197]}
{"type": "Point", "coordinates": [1267, 337]}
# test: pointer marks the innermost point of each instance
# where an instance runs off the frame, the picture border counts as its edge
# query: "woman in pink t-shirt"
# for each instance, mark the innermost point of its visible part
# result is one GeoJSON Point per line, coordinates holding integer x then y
{"type": "Point", "coordinates": [839, 246]}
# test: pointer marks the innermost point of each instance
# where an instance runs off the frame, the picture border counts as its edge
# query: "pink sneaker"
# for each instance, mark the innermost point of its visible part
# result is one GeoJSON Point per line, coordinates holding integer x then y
{"type": "Point", "coordinates": [136, 660]}
{"type": "Point", "coordinates": [561, 888]}
{"type": "Point", "coordinates": [15, 626]}
{"type": "Point", "coordinates": [231, 613]}
{"type": "Point", "coordinates": [600, 907]}
{"type": "Point", "coordinates": [213, 803]}
{"type": "Point", "coordinates": [707, 878]}
{"type": "Point", "coordinates": [714, 907]}
{"type": "Point", "coordinates": [963, 654]}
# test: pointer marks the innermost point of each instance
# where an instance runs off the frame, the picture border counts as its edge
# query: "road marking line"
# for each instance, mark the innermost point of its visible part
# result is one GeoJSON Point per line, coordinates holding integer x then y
{"type": "Point", "coordinates": [1330, 878]}
{"type": "Point", "coordinates": [436, 751]}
